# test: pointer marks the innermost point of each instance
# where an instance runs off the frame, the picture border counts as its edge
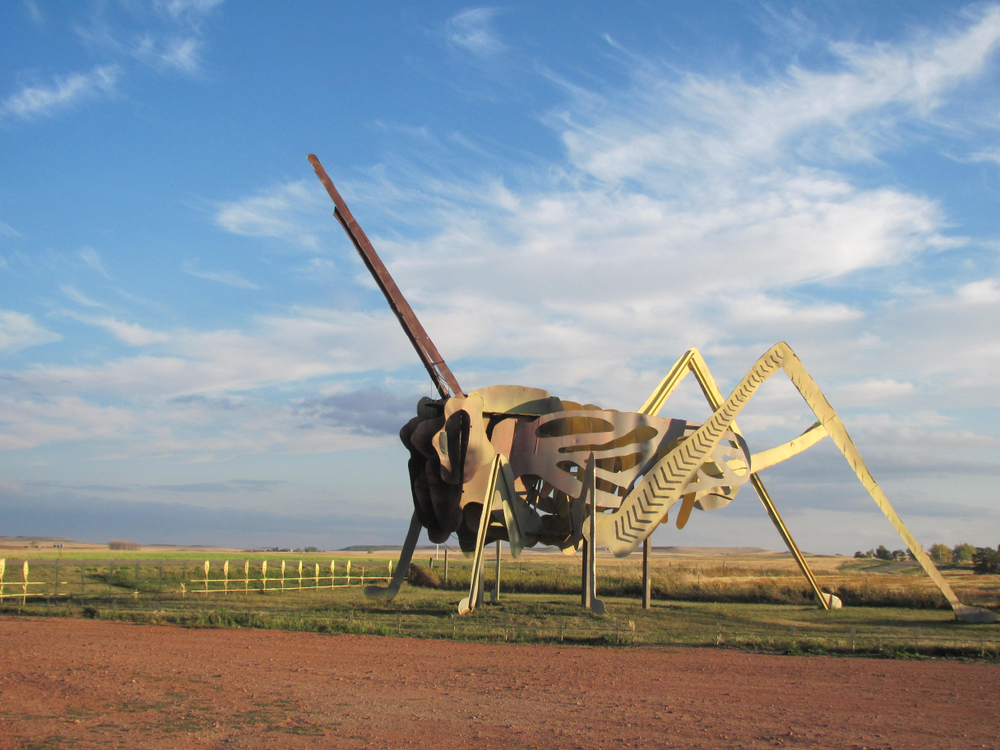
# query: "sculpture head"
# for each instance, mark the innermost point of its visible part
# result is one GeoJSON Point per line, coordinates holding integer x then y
{"type": "Point", "coordinates": [448, 448]}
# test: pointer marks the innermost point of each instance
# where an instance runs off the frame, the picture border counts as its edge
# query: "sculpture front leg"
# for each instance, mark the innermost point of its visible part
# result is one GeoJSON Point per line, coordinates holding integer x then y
{"type": "Point", "coordinates": [388, 593]}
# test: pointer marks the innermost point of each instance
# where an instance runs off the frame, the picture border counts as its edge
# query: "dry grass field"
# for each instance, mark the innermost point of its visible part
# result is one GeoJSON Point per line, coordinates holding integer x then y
{"type": "Point", "coordinates": [743, 598]}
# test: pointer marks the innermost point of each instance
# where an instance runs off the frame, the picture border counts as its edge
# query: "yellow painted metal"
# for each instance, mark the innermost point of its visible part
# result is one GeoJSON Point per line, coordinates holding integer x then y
{"type": "Point", "coordinates": [772, 456]}
{"type": "Point", "coordinates": [522, 524]}
{"type": "Point", "coordinates": [470, 602]}
{"type": "Point", "coordinates": [693, 362]}
{"type": "Point", "coordinates": [779, 356]}
{"type": "Point", "coordinates": [687, 505]}
{"type": "Point", "coordinates": [387, 593]}
{"type": "Point", "coordinates": [589, 500]}
{"type": "Point", "coordinates": [807, 387]}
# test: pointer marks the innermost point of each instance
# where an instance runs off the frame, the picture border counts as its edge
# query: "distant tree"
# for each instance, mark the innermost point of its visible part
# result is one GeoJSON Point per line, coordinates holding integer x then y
{"type": "Point", "coordinates": [940, 553]}
{"type": "Point", "coordinates": [883, 553]}
{"type": "Point", "coordinates": [986, 561]}
{"type": "Point", "coordinates": [858, 554]}
{"type": "Point", "coordinates": [962, 553]}
{"type": "Point", "coordinates": [899, 554]}
{"type": "Point", "coordinates": [311, 549]}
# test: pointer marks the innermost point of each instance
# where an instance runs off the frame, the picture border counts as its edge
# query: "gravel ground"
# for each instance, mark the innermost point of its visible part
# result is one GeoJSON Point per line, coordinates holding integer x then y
{"type": "Point", "coordinates": [84, 683]}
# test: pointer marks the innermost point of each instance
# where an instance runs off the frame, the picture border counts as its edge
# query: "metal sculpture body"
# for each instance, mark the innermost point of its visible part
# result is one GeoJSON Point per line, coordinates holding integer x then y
{"type": "Point", "coordinates": [517, 464]}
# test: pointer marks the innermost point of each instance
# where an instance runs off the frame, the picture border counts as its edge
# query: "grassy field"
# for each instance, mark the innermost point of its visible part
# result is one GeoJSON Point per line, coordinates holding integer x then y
{"type": "Point", "coordinates": [754, 600]}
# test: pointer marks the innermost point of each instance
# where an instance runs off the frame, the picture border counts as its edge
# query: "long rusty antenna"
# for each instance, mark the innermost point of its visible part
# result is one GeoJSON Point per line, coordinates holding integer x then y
{"type": "Point", "coordinates": [436, 367]}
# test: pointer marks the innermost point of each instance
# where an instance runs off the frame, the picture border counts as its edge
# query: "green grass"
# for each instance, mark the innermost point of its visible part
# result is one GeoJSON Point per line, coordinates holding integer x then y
{"type": "Point", "coordinates": [753, 608]}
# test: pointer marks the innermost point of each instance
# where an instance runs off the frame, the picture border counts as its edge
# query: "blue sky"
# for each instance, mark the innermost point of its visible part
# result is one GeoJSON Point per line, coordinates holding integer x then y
{"type": "Point", "coordinates": [569, 195]}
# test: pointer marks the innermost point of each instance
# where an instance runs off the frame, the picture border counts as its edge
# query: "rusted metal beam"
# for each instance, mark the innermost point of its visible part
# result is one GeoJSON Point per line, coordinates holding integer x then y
{"type": "Point", "coordinates": [436, 367]}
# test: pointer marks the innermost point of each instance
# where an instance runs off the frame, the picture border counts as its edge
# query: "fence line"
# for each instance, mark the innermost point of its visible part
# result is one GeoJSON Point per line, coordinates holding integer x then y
{"type": "Point", "coordinates": [23, 584]}
{"type": "Point", "coordinates": [280, 583]}
{"type": "Point", "coordinates": [339, 576]}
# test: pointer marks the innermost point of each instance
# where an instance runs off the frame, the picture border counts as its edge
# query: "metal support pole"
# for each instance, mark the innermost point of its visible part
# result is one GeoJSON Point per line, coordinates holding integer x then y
{"type": "Point", "coordinates": [446, 565]}
{"type": "Point", "coordinates": [481, 588]}
{"type": "Point", "coordinates": [646, 580]}
{"type": "Point", "coordinates": [594, 604]}
{"type": "Point", "coordinates": [585, 575]}
{"type": "Point", "coordinates": [495, 594]}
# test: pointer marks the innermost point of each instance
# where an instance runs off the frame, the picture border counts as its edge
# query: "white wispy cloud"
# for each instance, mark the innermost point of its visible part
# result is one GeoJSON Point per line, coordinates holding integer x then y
{"type": "Point", "coordinates": [230, 278]}
{"type": "Point", "coordinates": [132, 334]}
{"type": "Point", "coordinates": [472, 30]}
{"type": "Point", "coordinates": [987, 155]}
{"type": "Point", "coordinates": [190, 11]}
{"type": "Point", "coordinates": [672, 122]}
{"type": "Point", "coordinates": [877, 392]}
{"type": "Point", "coordinates": [93, 259]}
{"type": "Point", "coordinates": [170, 40]}
{"type": "Point", "coordinates": [34, 12]}
{"type": "Point", "coordinates": [181, 54]}
{"type": "Point", "coordinates": [38, 421]}
{"type": "Point", "coordinates": [285, 212]}
{"type": "Point", "coordinates": [19, 331]}
{"type": "Point", "coordinates": [64, 92]}
{"type": "Point", "coordinates": [79, 297]}
{"type": "Point", "coordinates": [7, 230]}
{"type": "Point", "coordinates": [982, 292]}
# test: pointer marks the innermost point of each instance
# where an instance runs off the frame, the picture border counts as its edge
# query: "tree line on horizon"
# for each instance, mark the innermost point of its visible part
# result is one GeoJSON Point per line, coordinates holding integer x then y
{"type": "Point", "coordinates": [985, 560]}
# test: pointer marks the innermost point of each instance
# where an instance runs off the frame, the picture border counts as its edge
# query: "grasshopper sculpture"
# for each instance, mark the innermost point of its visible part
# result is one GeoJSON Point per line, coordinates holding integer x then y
{"type": "Point", "coordinates": [517, 464]}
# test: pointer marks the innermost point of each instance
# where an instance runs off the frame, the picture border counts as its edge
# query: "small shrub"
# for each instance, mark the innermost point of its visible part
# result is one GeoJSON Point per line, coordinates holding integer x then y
{"type": "Point", "coordinates": [417, 576]}
{"type": "Point", "coordinates": [121, 544]}
{"type": "Point", "coordinates": [986, 561]}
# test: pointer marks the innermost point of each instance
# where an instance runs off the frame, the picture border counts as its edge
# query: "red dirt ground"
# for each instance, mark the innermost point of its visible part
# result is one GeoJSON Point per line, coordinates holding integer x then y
{"type": "Point", "coordinates": [83, 683]}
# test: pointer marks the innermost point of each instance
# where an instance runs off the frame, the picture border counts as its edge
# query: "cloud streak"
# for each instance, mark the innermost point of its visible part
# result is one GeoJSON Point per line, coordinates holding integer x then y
{"type": "Point", "coordinates": [667, 122]}
{"type": "Point", "coordinates": [281, 212]}
{"type": "Point", "coordinates": [93, 259]}
{"type": "Point", "coordinates": [20, 331]}
{"type": "Point", "coordinates": [132, 334]}
{"type": "Point", "coordinates": [229, 278]}
{"type": "Point", "coordinates": [6, 230]}
{"type": "Point", "coordinates": [472, 31]}
{"type": "Point", "coordinates": [63, 93]}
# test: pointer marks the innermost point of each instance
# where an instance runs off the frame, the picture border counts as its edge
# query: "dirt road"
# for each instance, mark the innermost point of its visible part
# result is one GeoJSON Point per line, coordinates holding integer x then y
{"type": "Point", "coordinates": [83, 683]}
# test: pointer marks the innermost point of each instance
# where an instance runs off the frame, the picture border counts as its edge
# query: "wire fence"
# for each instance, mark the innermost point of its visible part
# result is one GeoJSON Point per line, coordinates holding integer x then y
{"type": "Point", "coordinates": [282, 582]}
{"type": "Point", "coordinates": [109, 578]}
{"type": "Point", "coordinates": [8, 587]}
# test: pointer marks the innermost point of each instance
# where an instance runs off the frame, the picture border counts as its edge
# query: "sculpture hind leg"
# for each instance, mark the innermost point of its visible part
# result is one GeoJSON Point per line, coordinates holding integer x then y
{"type": "Point", "coordinates": [693, 362]}
{"type": "Point", "coordinates": [828, 418]}
{"type": "Point", "coordinates": [662, 485]}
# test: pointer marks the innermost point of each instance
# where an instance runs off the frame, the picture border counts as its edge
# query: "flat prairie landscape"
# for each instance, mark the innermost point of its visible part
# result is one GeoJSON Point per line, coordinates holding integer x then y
{"type": "Point", "coordinates": [88, 683]}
